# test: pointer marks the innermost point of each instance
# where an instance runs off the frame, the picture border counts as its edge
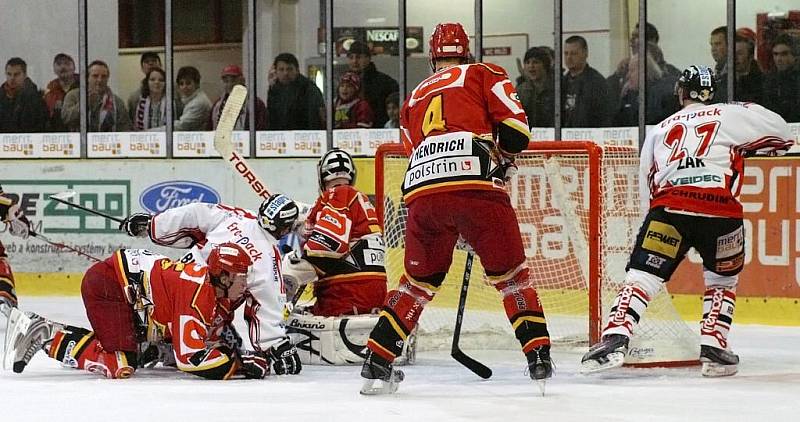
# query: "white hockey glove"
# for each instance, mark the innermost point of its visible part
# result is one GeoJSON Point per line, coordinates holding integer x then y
{"type": "Point", "coordinates": [254, 364]}
{"type": "Point", "coordinates": [509, 168]}
{"type": "Point", "coordinates": [283, 358]}
{"type": "Point", "coordinates": [136, 225]}
{"type": "Point", "coordinates": [18, 224]}
{"type": "Point", "coordinates": [297, 273]}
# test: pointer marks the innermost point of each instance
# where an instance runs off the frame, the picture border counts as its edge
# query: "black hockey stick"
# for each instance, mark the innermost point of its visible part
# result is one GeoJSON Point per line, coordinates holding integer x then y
{"type": "Point", "coordinates": [473, 365]}
{"type": "Point", "coordinates": [63, 246]}
{"type": "Point", "coordinates": [89, 210]}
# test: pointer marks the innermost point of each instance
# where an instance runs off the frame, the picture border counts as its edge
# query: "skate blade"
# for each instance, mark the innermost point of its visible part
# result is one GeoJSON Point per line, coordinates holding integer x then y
{"type": "Point", "coordinates": [541, 384]}
{"type": "Point", "coordinates": [378, 387]}
{"type": "Point", "coordinates": [615, 360]}
{"type": "Point", "coordinates": [18, 324]}
{"type": "Point", "coordinates": [714, 369]}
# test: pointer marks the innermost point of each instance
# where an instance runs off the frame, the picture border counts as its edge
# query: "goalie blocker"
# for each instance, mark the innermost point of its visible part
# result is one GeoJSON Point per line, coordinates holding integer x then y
{"type": "Point", "coordinates": [338, 340]}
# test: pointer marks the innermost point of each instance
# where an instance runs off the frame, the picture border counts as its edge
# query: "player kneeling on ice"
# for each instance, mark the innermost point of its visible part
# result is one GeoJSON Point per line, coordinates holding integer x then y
{"type": "Point", "coordinates": [200, 227]}
{"type": "Point", "coordinates": [690, 176]}
{"type": "Point", "coordinates": [136, 294]}
{"type": "Point", "coordinates": [343, 256]}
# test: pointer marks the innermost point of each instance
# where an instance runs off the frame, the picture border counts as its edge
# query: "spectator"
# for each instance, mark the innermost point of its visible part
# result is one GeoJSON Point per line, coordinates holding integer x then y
{"type": "Point", "coordinates": [67, 80]}
{"type": "Point", "coordinates": [232, 76]}
{"type": "Point", "coordinates": [293, 101]}
{"type": "Point", "coordinates": [537, 90]}
{"type": "Point", "coordinates": [584, 92]}
{"type": "Point", "coordinates": [719, 52]}
{"type": "Point", "coordinates": [652, 37]}
{"type": "Point", "coordinates": [393, 111]}
{"type": "Point", "coordinates": [147, 62]}
{"type": "Point", "coordinates": [150, 112]}
{"type": "Point", "coordinates": [749, 79]}
{"type": "Point", "coordinates": [22, 109]}
{"type": "Point", "coordinates": [781, 92]}
{"type": "Point", "coordinates": [350, 110]}
{"type": "Point", "coordinates": [193, 101]}
{"type": "Point", "coordinates": [107, 112]}
{"type": "Point", "coordinates": [660, 93]}
{"type": "Point", "coordinates": [375, 85]}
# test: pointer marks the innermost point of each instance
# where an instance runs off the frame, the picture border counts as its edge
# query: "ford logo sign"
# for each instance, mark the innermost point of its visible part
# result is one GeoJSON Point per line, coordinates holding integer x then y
{"type": "Point", "coordinates": [166, 195]}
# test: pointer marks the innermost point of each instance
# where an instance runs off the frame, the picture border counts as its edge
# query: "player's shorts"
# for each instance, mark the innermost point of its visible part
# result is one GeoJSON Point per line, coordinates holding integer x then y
{"type": "Point", "coordinates": [109, 312]}
{"type": "Point", "coordinates": [665, 237]}
{"type": "Point", "coordinates": [485, 219]}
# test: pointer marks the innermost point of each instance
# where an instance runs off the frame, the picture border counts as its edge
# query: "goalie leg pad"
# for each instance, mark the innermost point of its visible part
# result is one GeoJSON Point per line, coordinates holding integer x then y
{"type": "Point", "coordinates": [390, 334]}
{"type": "Point", "coordinates": [331, 340]}
{"type": "Point", "coordinates": [524, 311]}
{"type": "Point", "coordinates": [8, 294]}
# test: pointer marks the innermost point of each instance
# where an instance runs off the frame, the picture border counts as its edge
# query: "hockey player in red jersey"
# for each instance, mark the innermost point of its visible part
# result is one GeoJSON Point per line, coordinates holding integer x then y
{"type": "Point", "coordinates": [136, 294]}
{"type": "Point", "coordinates": [690, 177]}
{"type": "Point", "coordinates": [462, 128]}
{"type": "Point", "coordinates": [17, 225]}
{"type": "Point", "coordinates": [343, 243]}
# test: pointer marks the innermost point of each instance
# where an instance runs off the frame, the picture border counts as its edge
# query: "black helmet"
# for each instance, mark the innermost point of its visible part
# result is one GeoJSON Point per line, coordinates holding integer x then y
{"type": "Point", "coordinates": [277, 213]}
{"type": "Point", "coordinates": [334, 164]}
{"type": "Point", "coordinates": [699, 83]}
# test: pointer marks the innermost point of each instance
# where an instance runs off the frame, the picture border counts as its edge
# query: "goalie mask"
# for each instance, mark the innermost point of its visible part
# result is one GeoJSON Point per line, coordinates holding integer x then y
{"type": "Point", "coordinates": [698, 83]}
{"type": "Point", "coordinates": [277, 214]}
{"type": "Point", "coordinates": [227, 265]}
{"type": "Point", "coordinates": [448, 40]}
{"type": "Point", "coordinates": [335, 164]}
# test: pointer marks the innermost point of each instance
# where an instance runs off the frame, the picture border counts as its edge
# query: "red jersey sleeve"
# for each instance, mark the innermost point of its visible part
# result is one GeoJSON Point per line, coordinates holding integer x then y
{"type": "Point", "coordinates": [503, 102]}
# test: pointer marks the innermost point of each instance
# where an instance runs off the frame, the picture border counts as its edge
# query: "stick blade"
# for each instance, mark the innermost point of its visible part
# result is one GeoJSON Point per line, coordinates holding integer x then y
{"type": "Point", "coordinates": [230, 113]}
{"type": "Point", "coordinates": [473, 365]}
{"type": "Point", "coordinates": [65, 195]}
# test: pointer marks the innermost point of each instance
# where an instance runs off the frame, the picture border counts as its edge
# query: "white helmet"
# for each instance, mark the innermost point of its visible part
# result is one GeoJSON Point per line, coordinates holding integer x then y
{"type": "Point", "coordinates": [334, 164]}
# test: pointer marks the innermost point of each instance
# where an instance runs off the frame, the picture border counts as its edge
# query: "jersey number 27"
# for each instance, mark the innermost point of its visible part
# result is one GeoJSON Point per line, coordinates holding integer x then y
{"type": "Point", "coordinates": [676, 137]}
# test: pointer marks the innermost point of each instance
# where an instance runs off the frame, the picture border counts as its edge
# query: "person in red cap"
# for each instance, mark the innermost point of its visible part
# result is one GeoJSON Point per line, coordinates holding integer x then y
{"type": "Point", "coordinates": [231, 76]}
{"type": "Point", "coordinates": [350, 109]}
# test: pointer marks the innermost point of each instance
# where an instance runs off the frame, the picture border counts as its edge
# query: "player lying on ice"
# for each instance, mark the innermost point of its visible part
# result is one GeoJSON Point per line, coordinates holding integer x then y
{"type": "Point", "coordinates": [136, 295]}
{"type": "Point", "coordinates": [342, 255]}
{"type": "Point", "coordinates": [199, 227]}
{"type": "Point", "coordinates": [690, 176]}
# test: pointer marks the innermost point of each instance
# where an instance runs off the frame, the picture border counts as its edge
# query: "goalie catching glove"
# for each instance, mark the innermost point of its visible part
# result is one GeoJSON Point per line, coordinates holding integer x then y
{"type": "Point", "coordinates": [18, 224]}
{"type": "Point", "coordinates": [136, 225]}
{"type": "Point", "coordinates": [297, 273]}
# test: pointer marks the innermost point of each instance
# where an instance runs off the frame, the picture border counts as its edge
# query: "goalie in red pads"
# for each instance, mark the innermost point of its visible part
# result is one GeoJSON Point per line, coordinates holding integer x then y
{"type": "Point", "coordinates": [690, 177]}
{"type": "Point", "coordinates": [136, 295]}
{"type": "Point", "coordinates": [462, 128]}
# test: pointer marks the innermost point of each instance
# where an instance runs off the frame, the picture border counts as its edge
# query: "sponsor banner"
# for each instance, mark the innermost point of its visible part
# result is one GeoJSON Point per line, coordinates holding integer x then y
{"type": "Point", "coordinates": [126, 144]}
{"type": "Point", "coordinates": [119, 188]}
{"type": "Point", "coordinates": [376, 137]}
{"type": "Point", "coordinates": [40, 145]}
{"type": "Point", "coordinates": [201, 144]}
{"type": "Point", "coordinates": [308, 143]}
{"type": "Point", "coordinates": [273, 143]}
{"type": "Point", "coordinates": [350, 140]}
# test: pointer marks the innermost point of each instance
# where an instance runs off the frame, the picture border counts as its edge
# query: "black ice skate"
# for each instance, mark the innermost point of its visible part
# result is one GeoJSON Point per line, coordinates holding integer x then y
{"type": "Point", "coordinates": [609, 353]}
{"type": "Point", "coordinates": [540, 366]}
{"type": "Point", "coordinates": [27, 334]}
{"type": "Point", "coordinates": [718, 362]}
{"type": "Point", "coordinates": [377, 369]}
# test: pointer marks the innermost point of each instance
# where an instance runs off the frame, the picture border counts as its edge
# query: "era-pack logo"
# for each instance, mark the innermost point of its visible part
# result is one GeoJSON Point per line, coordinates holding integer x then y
{"type": "Point", "coordinates": [166, 195]}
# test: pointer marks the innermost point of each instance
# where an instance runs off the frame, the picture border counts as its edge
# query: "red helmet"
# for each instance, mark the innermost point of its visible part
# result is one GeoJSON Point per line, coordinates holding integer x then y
{"type": "Point", "coordinates": [449, 40]}
{"type": "Point", "coordinates": [228, 257]}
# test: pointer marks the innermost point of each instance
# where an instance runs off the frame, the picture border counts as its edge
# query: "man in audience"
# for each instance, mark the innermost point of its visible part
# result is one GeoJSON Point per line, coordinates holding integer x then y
{"type": "Point", "coordinates": [147, 62]}
{"type": "Point", "coordinates": [749, 79]}
{"type": "Point", "coordinates": [22, 109]}
{"type": "Point", "coordinates": [781, 92]}
{"type": "Point", "coordinates": [65, 81]}
{"type": "Point", "coordinates": [537, 90]}
{"type": "Point", "coordinates": [719, 52]}
{"type": "Point", "coordinates": [375, 85]}
{"type": "Point", "coordinates": [584, 95]}
{"type": "Point", "coordinates": [194, 103]}
{"type": "Point", "coordinates": [232, 76]}
{"type": "Point", "coordinates": [107, 112]}
{"type": "Point", "coordinates": [293, 101]}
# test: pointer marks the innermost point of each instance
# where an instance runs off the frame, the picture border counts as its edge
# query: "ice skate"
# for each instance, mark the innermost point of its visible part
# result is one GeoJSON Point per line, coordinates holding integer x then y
{"type": "Point", "coordinates": [718, 362]}
{"type": "Point", "coordinates": [540, 366]}
{"type": "Point", "coordinates": [26, 334]}
{"type": "Point", "coordinates": [609, 353]}
{"type": "Point", "coordinates": [377, 369]}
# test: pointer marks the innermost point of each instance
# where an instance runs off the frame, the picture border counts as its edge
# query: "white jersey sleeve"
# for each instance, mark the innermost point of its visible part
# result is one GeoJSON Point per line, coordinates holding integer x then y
{"type": "Point", "coordinates": [200, 227]}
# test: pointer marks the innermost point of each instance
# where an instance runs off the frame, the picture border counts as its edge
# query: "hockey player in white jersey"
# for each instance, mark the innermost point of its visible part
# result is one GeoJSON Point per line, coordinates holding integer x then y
{"type": "Point", "coordinates": [200, 226]}
{"type": "Point", "coordinates": [690, 177]}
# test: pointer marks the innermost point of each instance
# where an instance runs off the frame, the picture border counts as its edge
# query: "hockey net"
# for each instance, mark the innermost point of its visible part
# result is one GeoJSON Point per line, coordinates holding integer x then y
{"type": "Point", "coordinates": [577, 205]}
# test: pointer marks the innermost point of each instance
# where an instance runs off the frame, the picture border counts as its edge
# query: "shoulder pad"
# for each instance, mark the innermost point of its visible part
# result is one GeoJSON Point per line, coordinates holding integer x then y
{"type": "Point", "coordinates": [493, 68]}
{"type": "Point", "coordinates": [340, 196]}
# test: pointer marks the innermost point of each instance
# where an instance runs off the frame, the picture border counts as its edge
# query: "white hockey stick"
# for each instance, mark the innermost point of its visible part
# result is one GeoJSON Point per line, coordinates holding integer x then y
{"type": "Point", "coordinates": [224, 145]}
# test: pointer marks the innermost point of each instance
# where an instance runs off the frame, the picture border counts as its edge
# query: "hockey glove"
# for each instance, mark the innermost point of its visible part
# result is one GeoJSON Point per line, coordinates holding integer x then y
{"type": "Point", "coordinates": [508, 167]}
{"type": "Point", "coordinates": [283, 358]}
{"type": "Point", "coordinates": [254, 365]}
{"type": "Point", "coordinates": [136, 225]}
{"type": "Point", "coordinates": [18, 224]}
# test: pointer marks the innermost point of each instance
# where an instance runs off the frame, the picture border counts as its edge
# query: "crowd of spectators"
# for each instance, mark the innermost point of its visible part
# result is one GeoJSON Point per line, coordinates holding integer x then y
{"type": "Point", "coordinates": [368, 98]}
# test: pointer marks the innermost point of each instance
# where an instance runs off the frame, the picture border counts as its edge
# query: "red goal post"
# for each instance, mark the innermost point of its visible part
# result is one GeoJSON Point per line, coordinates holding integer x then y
{"type": "Point", "coordinates": [578, 209]}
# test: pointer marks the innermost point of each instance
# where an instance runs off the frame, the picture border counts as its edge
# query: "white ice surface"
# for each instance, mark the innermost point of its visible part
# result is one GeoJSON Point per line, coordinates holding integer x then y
{"type": "Point", "coordinates": [437, 388]}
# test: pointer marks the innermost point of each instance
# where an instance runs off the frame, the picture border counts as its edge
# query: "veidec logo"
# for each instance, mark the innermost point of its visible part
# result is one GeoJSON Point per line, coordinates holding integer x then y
{"type": "Point", "coordinates": [166, 195]}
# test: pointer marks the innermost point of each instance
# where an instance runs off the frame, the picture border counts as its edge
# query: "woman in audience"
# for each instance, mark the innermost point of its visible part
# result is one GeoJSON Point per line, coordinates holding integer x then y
{"type": "Point", "coordinates": [150, 112]}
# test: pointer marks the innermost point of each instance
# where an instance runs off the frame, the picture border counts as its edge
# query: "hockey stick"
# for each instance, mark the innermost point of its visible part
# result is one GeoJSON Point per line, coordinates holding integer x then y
{"type": "Point", "coordinates": [473, 365]}
{"type": "Point", "coordinates": [60, 198]}
{"type": "Point", "coordinates": [63, 246]}
{"type": "Point", "coordinates": [224, 145]}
